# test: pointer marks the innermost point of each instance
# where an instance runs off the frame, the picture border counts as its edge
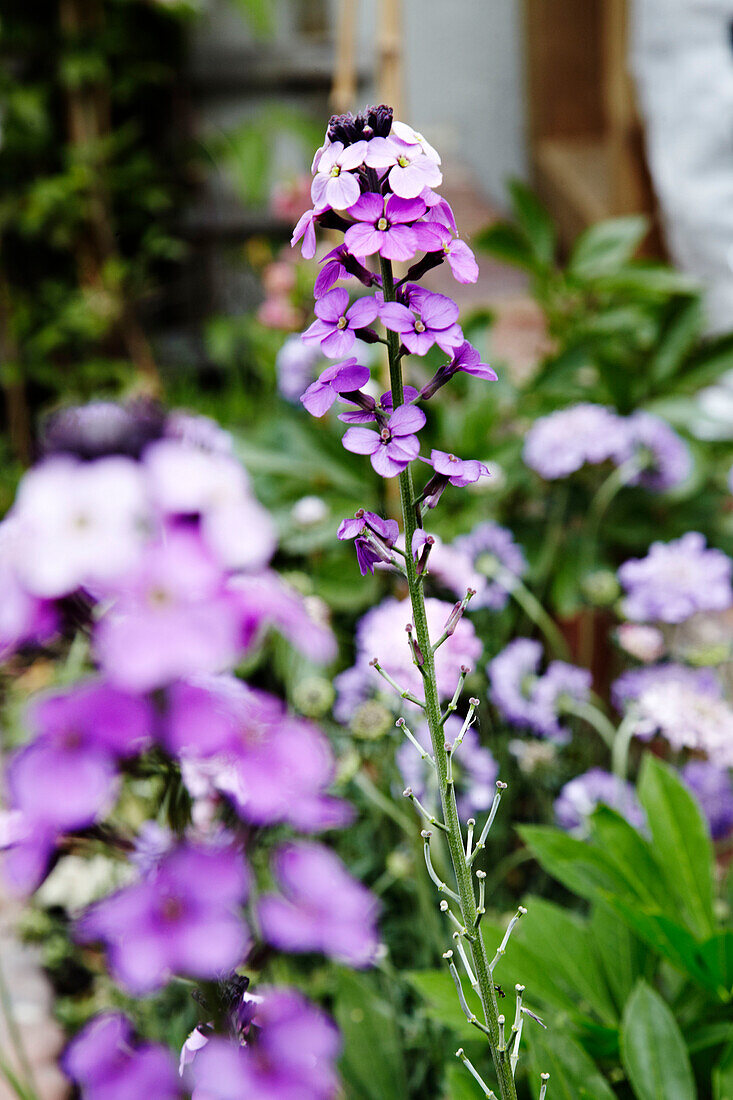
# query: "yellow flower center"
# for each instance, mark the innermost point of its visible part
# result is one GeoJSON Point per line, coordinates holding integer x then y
{"type": "Point", "coordinates": [341, 323]}
{"type": "Point", "coordinates": [419, 326]}
{"type": "Point", "coordinates": [382, 224]}
{"type": "Point", "coordinates": [335, 171]}
{"type": "Point", "coordinates": [403, 161]}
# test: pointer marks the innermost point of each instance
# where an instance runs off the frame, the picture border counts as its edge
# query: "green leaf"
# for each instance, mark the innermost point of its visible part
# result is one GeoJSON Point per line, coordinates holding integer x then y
{"type": "Point", "coordinates": [605, 247]}
{"type": "Point", "coordinates": [535, 221]}
{"type": "Point", "coordinates": [372, 1063]}
{"type": "Point", "coordinates": [459, 1085]}
{"type": "Point", "coordinates": [506, 243]}
{"type": "Point", "coordinates": [678, 340]}
{"type": "Point", "coordinates": [681, 842]}
{"type": "Point", "coordinates": [653, 1050]}
{"type": "Point", "coordinates": [667, 938]}
{"type": "Point", "coordinates": [441, 1002]}
{"type": "Point", "coordinates": [723, 1076]}
{"type": "Point", "coordinates": [583, 868]}
{"type": "Point", "coordinates": [634, 858]}
{"type": "Point", "coordinates": [621, 954]}
{"type": "Point", "coordinates": [573, 1074]}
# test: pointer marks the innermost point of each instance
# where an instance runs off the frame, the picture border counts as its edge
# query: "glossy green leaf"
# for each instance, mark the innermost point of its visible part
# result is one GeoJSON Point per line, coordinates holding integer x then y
{"type": "Point", "coordinates": [653, 1050]}
{"type": "Point", "coordinates": [582, 867]}
{"type": "Point", "coordinates": [681, 842]}
{"type": "Point", "coordinates": [372, 1063]}
{"type": "Point", "coordinates": [621, 954]}
{"type": "Point", "coordinates": [605, 247]}
{"type": "Point", "coordinates": [537, 224]}
{"type": "Point", "coordinates": [633, 856]}
{"type": "Point", "coordinates": [573, 1073]}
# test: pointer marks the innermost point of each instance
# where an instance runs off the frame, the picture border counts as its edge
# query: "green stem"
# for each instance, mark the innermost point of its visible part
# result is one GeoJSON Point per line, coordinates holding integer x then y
{"type": "Point", "coordinates": [620, 747]}
{"type": "Point", "coordinates": [454, 837]}
{"type": "Point", "coordinates": [594, 717]}
{"type": "Point", "coordinates": [534, 610]}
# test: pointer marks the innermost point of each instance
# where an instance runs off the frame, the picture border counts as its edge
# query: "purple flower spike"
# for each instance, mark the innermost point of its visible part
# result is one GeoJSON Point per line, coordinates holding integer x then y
{"type": "Point", "coordinates": [340, 378]}
{"type": "Point", "coordinates": [381, 535]}
{"type": "Point", "coordinates": [181, 919]}
{"type": "Point", "coordinates": [333, 184]}
{"type": "Point", "coordinates": [434, 322]}
{"type": "Point", "coordinates": [382, 227]}
{"type": "Point", "coordinates": [106, 1064]}
{"type": "Point", "coordinates": [336, 327]}
{"type": "Point", "coordinates": [323, 909]}
{"type": "Point", "coordinates": [392, 449]}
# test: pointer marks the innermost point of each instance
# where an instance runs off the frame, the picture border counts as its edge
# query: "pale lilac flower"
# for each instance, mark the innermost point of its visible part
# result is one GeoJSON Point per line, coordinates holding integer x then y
{"type": "Point", "coordinates": [24, 619]}
{"type": "Point", "coordinates": [334, 184]}
{"type": "Point", "coordinates": [631, 684]}
{"type": "Point", "coordinates": [675, 580]}
{"type": "Point", "coordinates": [645, 643]}
{"type": "Point", "coordinates": [171, 617]}
{"type": "Point", "coordinates": [79, 523]}
{"type": "Point", "coordinates": [474, 768]}
{"type": "Point", "coordinates": [373, 538]}
{"type": "Point", "coordinates": [410, 170]}
{"type": "Point", "coordinates": [291, 1055]}
{"type": "Point", "coordinates": [322, 908]}
{"type": "Point", "coordinates": [559, 444]}
{"type": "Point", "coordinates": [188, 482]}
{"type": "Point", "coordinates": [336, 325]}
{"type": "Point", "coordinates": [381, 633]}
{"type": "Point", "coordinates": [200, 431]}
{"type": "Point", "coordinates": [183, 918]}
{"type": "Point", "coordinates": [432, 236]}
{"type": "Point", "coordinates": [384, 226]}
{"type": "Point", "coordinates": [414, 137]}
{"type": "Point", "coordinates": [305, 230]}
{"type": "Point", "coordinates": [266, 601]}
{"type": "Point", "coordinates": [713, 790]}
{"type": "Point", "coordinates": [496, 558]}
{"type": "Point", "coordinates": [393, 448]}
{"type": "Point", "coordinates": [434, 321]}
{"type": "Point", "coordinates": [384, 406]}
{"type": "Point", "coordinates": [467, 360]}
{"type": "Point", "coordinates": [295, 365]}
{"type": "Point", "coordinates": [439, 210]}
{"type": "Point", "coordinates": [528, 700]}
{"type": "Point", "coordinates": [451, 470]}
{"type": "Point", "coordinates": [107, 1064]}
{"type": "Point", "coordinates": [582, 795]}
{"type": "Point", "coordinates": [666, 457]}
{"type": "Point", "coordinates": [337, 380]}
{"type": "Point", "coordinates": [27, 849]}
{"type": "Point", "coordinates": [101, 428]}
{"type": "Point", "coordinates": [687, 718]}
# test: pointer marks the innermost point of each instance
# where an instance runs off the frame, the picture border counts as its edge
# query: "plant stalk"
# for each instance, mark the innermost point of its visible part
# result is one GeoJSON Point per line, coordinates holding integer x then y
{"type": "Point", "coordinates": [454, 837]}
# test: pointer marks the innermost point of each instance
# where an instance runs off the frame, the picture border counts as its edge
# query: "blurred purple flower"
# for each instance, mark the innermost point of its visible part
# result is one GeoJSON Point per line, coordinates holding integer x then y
{"type": "Point", "coordinates": [101, 428]}
{"type": "Point", "coordinates": [382, 226]}
{"type": "Point", "coordinates": [107, 1064]}
{"type": "Point", "coordinates": [291, 1056]}
{"type": "Point", "coordinates": [668, 456]}
{"type": "Point", "coordinates": [336, 325]}
{"type": "Point", "coordinates": [580, 797]}
{"type": "Point", "coordinates": [528, 700]}
{"type": "Point", "coordinates": [675, 580]}
{"type": "Point", "coordinates": [266, 600]}
{"type": "Point", "coordinates": [559, 444]}
{"type": "Point", "coordinates": [474, 768]}
{"type": "Point", "coordinates": [295, 365]}
{"type": "Point", "coordinates": [337, 380]}
{"type": "Point", "coordinates": [171, 617]}
{"type": "Point", "coordinates": [434, 321]}
{"type": "Point", "coordinates": [323, 908]}
{"type": "Point", "coordinates": [497, 558]}
{"type": "Point", "coordinates": [713, 789]}
{"type": "Point", "coordinates": [393, 448]}
{"type": "Point", "coordinates": [199, 431]}
{"type": "Point", "coordinates": [181, 919]}
{"type": "Point", "coordinates": [630, 685]}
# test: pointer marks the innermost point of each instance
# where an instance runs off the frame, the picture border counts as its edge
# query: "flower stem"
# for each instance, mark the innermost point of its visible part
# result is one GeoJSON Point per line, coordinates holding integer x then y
{"type": "Point", "coordinates": [454, 838]}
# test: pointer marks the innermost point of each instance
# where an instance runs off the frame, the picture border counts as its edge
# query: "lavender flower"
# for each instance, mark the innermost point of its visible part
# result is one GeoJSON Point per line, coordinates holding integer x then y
{"type": "Point", "coordinates": [382, 226]}
{"type": "Point", "coordinates": [631, 684]}
{"type": "Point", "coordinates": [291, 1055]}
{"type": "Point", "coordinates": [675, 580]}
{"type": "Point", "coordinates": [102, 428]}
{"type": "Point", "coordinates": [451, 470]}
{"type": "Point", "coordinates": [373, 537]}
{"type": "Point", "coordinates": [336, 326]}
{"type": "Point", "coordinates": [334, 184]}
{"type": "Point", "coordinates": [431, 319]}
{"type": "Point", "coordinates": [559, 444]}
{"type": "Point", "coordinates": [526, 699]}
{"type": "Point", "coordinates": [645, 643]}
{"type": "Point", "coordinates": [411, 170]}
{"type": "Point", "coordinates": [466, 360]}
{"type": "Point", "coordinates": [474, 768]}
{"type": "Point", "coordinates": [580, 797]}
{"type": "Point", "coordinates": [323, 908]}
{"type": "Point", "coordinates": [687, 718]}
{"type": "Point", "coordinates": [338, 380]}
{"type": "Point", "coordinates": [181, 919]}
{"type": "Point", "coordinates": [713, 790]}
{"type": "Point", "coordinates": [496, 558]}
{"type": "Point", "coordinates": [395, 446]}
{"type": "Point", "coordinates": [665, 458]}
{"type": "Point", "coordinates": [106, 1063]}
{"type": "Point", "coordinates": [295, 365]}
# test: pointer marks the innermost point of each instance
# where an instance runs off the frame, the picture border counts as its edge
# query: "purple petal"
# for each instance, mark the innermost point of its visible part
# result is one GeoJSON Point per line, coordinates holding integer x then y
{"type": "Point", "coordinates": [353, 155]}
{"type": "Point", "coordinates": [430, 237]}
{"type": "Point", "coordinates": [438, 311]}
{"type": "Point", "coordinates": [419, 343]}
{"type": "Point", "coordinates": [362, 313]}
{"type": "Point", "coordinates": [399, 244]}
{"type": "Point", "coordinates": [406, 419]}
{"type": "Point", "coordinates": [404, 210]}
{"type": "Point", "coordinates": [350, 528]}
{"type": "Point", "coordinates": [361, 441]}
{"type": "Point", "coordinates": [387, 466]}
{"type": "Point", "coordinates": [462, 262]}
{"type": "Point", "coordinates": [342, 191]}
{"type": "Point", "coordinates": [350, 377]}
{"type": "Point", "coordinates": [339, 342]}
{"type": "Point", "coordinates": [318, 398]}
{"type": "Point", "coordinates": [368, 208]}
{"type": "Point", "coordinates": [381, 152]}
{"type": "Point", "coordinates": [305, 229]}
{"type": "Point", "coordinates": [449, 339]}
{"type": "Point", "coordinates": [316, 331]}
{"type": "Point", "coordinates": [332, 305]}
{"type": "Point", "coordinates": [396, 317]}
{"type": "Point", "coordinates": [363, 239]}
{"type": "Point", "coordinates": [327, 276]}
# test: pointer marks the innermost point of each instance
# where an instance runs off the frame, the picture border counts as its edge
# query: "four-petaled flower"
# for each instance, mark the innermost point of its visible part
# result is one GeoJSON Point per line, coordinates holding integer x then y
{"type": "Point", "coordinates": [458, 471]}
{"type": "Point", "coordinates": [432, 320]}
{"type": "Point", "coordinates": [381, 227]}
{"type": "Point", "coordinates": [334, 183]}
{"type": "Point", "coordinates": [393, 448]}
{"type": "Point", "coordinates": [335, 329]}
{"type": "Point", "coordinates": [338, 379]}
{"type": "Point", "coordinates": [411, 170]}
{"type": "Point", "coordinates": [373, 537]}
{"type": "Point", "coordinates": [467, 360]}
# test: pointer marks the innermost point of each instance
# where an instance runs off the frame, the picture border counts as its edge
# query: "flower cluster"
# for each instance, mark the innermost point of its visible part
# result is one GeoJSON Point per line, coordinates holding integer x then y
{"type": "Point", "coordinates": [532, 701]}
{"type": "Point", "coordinates": [562, 442]}
{"type": "Point", "coordinates": [139, 533]}
{"type": "Point", "coordinates": [675, 580]}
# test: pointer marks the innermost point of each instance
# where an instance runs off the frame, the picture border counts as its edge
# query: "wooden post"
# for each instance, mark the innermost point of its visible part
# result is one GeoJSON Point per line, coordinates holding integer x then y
{"type": "Point", "coordinates": [343, 91]}
{"type": "Point", "coordinates": [389, 54]}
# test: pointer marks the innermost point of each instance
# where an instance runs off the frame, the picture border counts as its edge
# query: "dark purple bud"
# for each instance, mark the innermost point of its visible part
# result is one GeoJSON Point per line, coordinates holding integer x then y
{"type": "Point", "coordinates": [434, 490]}
{"type": "Point", "coordinates": [329, 219]}
{"type": "Point", "coordinates": [369, 123]}
{"type": "Point", "coordinates": [427, 263]}
{"type": "Point", "coordinates": [414, 646]}
{"type": "Point", "coordinates": [422, 562]}
{"type": "Point", "coordinates": [368, 335]}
